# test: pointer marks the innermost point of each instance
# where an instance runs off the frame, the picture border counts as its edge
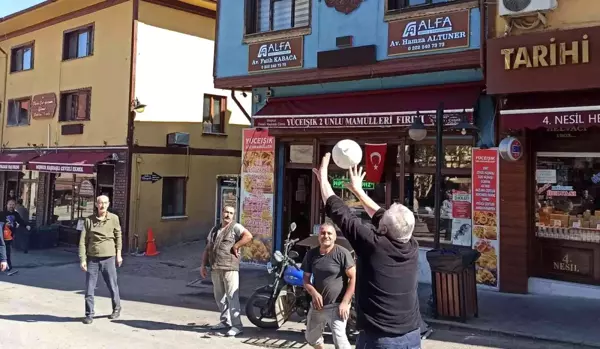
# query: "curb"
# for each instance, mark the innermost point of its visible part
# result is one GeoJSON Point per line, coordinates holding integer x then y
{"type": "Point", "coordinates": [452, 324]}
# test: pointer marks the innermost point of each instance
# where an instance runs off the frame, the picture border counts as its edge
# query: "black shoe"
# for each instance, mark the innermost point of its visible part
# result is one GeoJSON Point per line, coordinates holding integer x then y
{"type": "Point", "coordinates": [88, 320]}
{"type": "Point", "coordinates": [115, 315]}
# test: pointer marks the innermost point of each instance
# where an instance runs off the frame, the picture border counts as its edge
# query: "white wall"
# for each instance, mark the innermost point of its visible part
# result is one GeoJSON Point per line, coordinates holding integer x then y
{"type": "Point", "coordinates": [173, 85]}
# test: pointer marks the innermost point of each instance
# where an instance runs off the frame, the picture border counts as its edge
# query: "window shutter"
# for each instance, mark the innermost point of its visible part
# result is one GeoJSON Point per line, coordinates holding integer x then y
{"type": "Point", "coordinates": [282, 14]}
{"type": "Point", "coordinates": [263, 15]}
{"type": "Point", "coordinates": [301, 13]}
{"type": "Point", "coordinates": [82, 106]}
{"type": "Point", "coordinates": [251, 16]}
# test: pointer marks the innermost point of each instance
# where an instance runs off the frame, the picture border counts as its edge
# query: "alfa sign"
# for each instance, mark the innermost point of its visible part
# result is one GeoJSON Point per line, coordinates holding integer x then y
{"type": "Point", "coordinates": [430, 33]}
{"type": "Point", "coordinates": [276, 55]}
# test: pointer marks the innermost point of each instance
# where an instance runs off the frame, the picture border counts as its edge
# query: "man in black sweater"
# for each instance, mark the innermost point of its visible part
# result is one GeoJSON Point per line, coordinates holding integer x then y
{"type": "Point", "coordinates": [386, 291]}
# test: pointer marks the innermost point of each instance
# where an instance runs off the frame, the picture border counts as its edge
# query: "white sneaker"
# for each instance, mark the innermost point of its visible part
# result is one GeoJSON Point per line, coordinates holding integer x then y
{"type": "Point", "coordinates": [219, 326]}
{"type": "Point", "coordinates": [234, 331]}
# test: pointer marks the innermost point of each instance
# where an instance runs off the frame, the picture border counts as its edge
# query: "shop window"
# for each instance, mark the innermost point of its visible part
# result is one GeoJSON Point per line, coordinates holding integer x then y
{"type": "Point", "coordinates": [21, 58]}
{"type": "Point", "coordinates": [301, 154]}
{"type": "Point", "coordinates": [75, 106]}
{"type": "Point", "coordinates": [568, 196]}
{"type": "Point", "coordinates": [424, 155]}
{"type": "Point", "coordinates": [78, 43]}
{"type": "Point", "coordinates": [394, 5]}
{"type": "Point", "coordinates": [28, 186]}
{"type": "Point", "coordinates": [174, 196]}
{"type": "Point", "coordinates": [18, 112]}
{"type": "Point", "coordinates": [213, 118]}
{"type": "Point", "coordinates": [74, 198]}
{"type": "Point", "coordinates": [272, 15]}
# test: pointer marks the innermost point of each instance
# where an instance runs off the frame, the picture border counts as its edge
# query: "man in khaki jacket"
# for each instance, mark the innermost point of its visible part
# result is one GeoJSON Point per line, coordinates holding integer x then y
{"type": "Point", "coordinates": [222, 252]}
{"type": "Point", "coordinates": [100, 247]}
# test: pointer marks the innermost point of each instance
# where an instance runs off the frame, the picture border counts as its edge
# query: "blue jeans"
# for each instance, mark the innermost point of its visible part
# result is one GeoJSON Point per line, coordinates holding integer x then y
{"type": "Point", "coordinates": [410, 340]}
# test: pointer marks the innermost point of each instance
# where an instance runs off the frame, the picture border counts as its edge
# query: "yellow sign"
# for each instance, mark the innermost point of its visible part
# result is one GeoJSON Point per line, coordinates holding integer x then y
{"type": "Point", "coordinates": [575, 52]}
{"type": "Point", "coordinates": [566, 264]}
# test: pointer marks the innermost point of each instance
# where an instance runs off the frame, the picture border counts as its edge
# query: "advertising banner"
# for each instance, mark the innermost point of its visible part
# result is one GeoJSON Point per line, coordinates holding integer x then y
{"type": "Point", "coordinates": [257, 188]}
{"type": "Point", "coordinates": [486, 213]}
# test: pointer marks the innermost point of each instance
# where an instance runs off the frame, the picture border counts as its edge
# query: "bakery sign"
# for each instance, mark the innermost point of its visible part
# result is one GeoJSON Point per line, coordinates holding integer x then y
{"type": "Point", "coordinates": [276, 55]}
{"type": "Point", "coordinates": [403, 119]}
{"type": "Point", "coordinates": [430, 33]}
{"type": "Point", "coordinates": [43, 105]}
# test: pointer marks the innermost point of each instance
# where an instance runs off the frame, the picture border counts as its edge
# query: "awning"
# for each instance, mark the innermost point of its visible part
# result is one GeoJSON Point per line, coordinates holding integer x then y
{"type": "Point", "coordinates": [564, 118]}
{"type": "Point", "coordinates": [15, 161]}
{"type": "Point", "coordinates": [68, 162]}
{"type": "Point", "coordinates": [381, 108]}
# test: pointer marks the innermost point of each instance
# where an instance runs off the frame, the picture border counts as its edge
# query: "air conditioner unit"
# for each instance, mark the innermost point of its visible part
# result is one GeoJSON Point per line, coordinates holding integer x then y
{"type": "Point", "coordinates": [178, 139]}
{"type": "Point", "coordinates": [516, 8]}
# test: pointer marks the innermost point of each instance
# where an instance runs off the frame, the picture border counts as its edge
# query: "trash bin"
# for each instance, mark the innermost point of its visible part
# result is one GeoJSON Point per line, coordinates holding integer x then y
{"type": "Point", "coordinates": [453, 282]}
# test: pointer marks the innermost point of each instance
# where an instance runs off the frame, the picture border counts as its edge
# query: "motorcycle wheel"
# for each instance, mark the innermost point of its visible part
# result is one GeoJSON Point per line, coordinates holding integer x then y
{"type": "Point", "coordinates": [256, 312]}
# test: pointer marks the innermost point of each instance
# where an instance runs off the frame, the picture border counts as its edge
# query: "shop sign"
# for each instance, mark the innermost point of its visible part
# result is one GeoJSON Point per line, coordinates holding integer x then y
{"type": "Point", "coordinates": [57, 168]}
{"type": "Point", "coordinates": [355, 121]}
{"type": "Point", "coordinates": [550, 61]}
{"type": "Point", "coordinates": [566, 264]}
{"type": "Point", "coordinates": [340, 183]}
{"type": "Point", "coordinates": [86, 188]}
{"type": "Point", "coordinates": [486, 215]}
{"type": "Point", "coordinates": [561, 190]}
{"type": "Point", "coordinates": [576, 119]}
{"type": "Point", "coordinates": [276, 55]}
{"type": "Point", "coordinates": [545, 176]}
{"type": "Point", "coordinates": [43, 105]}
{"type": "Point", "coordinates": [429, 33]}
{"type": "Point", "coordinates": [510, 149]}
{"type": "Point", "coordinates": [10, 167]}
{"type": "Point", "coordinates": [568, 260]}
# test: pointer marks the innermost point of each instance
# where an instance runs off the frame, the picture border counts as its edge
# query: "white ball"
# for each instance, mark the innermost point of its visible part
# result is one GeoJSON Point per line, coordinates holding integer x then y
{"type": "Point", "coordinates": [346, 153]}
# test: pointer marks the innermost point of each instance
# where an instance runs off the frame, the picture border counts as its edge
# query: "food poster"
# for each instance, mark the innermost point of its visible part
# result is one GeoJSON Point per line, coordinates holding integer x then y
{"type": "Point", "coordinates": [485, 171]}
{"type": "Point", "coordinates": [257, 188]}
{"type": "Point", "coordinates": [461, 218]}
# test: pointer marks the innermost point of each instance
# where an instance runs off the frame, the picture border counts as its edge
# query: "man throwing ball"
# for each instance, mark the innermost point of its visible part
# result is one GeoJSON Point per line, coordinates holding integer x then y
{"type": "Point", "coordinates": [387, 267]}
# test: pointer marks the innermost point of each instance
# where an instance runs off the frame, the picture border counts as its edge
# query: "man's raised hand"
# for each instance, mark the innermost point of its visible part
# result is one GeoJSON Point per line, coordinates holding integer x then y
{"type": "Point", "coordinates": [321, 172]}
{"type": "Point", "coordinates": [356, 179]}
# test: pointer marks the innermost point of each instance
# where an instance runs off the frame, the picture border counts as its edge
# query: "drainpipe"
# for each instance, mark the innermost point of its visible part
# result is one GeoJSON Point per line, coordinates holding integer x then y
{"type": "Point", "coordinates": [2, 112]}
{"type": "Point", "coordinates": [237, 102]}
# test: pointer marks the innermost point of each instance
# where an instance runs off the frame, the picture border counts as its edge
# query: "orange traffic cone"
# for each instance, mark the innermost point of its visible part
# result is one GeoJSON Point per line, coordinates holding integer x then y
{"type": "Point", "coordinates": [151, 244]}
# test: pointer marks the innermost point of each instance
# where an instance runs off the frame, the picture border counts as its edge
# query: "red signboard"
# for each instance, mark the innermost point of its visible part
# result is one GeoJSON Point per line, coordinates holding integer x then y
{"type": "Point", "coordinates": [558, 118]}
{"type": "Point", "coordinates": [355, 120]}
{"type": "Point", "coordinates": [60, 168]}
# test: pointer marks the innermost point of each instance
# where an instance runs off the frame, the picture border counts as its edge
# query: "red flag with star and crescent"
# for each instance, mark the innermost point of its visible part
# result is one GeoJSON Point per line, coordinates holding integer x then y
{"type": "Point", "coordinates": [375, 160]}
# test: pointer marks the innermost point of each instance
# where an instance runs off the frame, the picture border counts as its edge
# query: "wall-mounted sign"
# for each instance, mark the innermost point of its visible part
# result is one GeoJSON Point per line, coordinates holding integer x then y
{"type": "Point", "coordinates": [150, 177]}
{"type": "Point", "coordinates": [86, 188]}
{"type": "Point", "coordinates": [355, 121]}
{"type": "Point", "coordinates": [43, 106]}
{"type": "Point", "coordinates": [276, 55]}
{"type": "Point", "coordinates": [510, 149]}
{"type": "Point", "coordinates": [436, 32]}
{"type": "Point", "coordinates": [575, 120]}
{"type": "Point", "coordinates": [559, 60]}
{"type": "Point", "coordinates": [340, 183]}
{"type": "Point", "coordinates": [344, 6]}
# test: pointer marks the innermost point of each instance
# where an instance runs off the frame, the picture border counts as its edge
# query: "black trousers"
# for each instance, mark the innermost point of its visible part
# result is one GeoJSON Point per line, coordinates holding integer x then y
{"type": "Point", "coordinates": [8, 244]}
{"type": "Point", "coordinates": [107, 267]}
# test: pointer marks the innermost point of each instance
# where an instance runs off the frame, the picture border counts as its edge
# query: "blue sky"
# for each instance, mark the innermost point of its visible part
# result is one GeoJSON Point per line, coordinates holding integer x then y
{"type": "Point", "coordinates": [11, 6]}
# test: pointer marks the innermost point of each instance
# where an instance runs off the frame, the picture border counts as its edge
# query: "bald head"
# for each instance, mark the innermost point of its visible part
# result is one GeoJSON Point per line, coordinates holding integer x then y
{"type": "Point", "coordinates": [102, 203]}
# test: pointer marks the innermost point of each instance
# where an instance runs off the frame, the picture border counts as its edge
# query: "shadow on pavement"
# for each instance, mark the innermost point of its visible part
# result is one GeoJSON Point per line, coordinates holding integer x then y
{"type": "Point", "coordinates": [44, 318]}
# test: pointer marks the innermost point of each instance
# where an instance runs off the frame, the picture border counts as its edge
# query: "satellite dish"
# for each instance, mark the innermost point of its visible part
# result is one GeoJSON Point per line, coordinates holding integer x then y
{"type": "Point", "coordinates": [516, 5]}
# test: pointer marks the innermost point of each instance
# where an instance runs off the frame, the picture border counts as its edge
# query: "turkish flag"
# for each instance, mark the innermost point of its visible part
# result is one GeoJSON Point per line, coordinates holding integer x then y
{"type": "Point", "coordinates": [375, 161]}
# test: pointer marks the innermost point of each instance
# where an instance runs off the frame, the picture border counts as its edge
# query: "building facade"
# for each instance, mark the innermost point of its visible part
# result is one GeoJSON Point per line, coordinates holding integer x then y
{"type": "Point", "coordinates": [543, 70]}
{"type": "Point", "coordinates": [74, 125]}
{"type": "Point", "coordinates": [322, 71]}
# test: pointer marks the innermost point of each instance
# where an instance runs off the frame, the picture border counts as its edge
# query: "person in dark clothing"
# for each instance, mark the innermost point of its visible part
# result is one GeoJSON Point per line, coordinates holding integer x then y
{"type": "Point", "coordinates": [387, 266]}
{"type": "Point", "coordinates": [3, 262]}
{"type": "Point", "coordinates": [11, 220]}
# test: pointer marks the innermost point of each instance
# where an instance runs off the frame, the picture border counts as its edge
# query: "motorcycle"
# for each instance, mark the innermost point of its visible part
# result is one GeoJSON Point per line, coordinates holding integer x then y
{"type": "Point", "coordinates": [286, 294]}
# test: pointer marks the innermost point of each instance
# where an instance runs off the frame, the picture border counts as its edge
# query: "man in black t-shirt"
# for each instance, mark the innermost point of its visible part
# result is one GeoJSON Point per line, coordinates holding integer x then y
{"type": "Point", "coordinates": [333, 279]}
{"type": "Point", "coordinates": [387, 265]}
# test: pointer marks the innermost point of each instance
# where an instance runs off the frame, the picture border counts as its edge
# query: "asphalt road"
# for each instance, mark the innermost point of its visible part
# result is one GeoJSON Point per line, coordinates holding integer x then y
{"type": "Point", "coordinates": [42, 308]}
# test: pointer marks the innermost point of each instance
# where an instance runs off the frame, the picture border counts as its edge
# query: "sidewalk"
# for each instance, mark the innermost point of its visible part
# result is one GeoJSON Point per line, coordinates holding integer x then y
{"type": "Point", "coordinates": [44, 258]}
{"type": "Point", "coordinates": [561, 319]}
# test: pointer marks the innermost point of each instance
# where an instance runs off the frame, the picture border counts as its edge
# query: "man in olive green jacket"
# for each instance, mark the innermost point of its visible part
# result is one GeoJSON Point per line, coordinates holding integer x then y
{"type": "Point", "coordinates": [100, 246]}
